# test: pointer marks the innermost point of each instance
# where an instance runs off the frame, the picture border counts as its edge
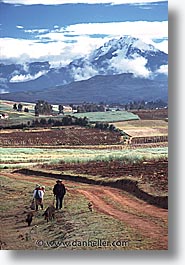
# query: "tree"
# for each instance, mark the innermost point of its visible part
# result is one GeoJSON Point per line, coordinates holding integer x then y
{"type": "Point", "coordinates": [15, 106]}
{"type": "Point", "coordinates": [60, 108]}
{"type": "Point", "coordinates": [43, 107]}
{"type": "Point", "coordinates": [19, 107]}
{"type": "Point", "coordinates": [112, 127]}
{"type": "Point", "coordinates": [26, 110]}
{"type": "Point", "coordinates": [43, 121]}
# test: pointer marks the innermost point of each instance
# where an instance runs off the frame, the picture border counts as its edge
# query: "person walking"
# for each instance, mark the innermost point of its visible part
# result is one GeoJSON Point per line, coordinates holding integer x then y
{"type": "Point", "coordinates": [43, 189]}
{"type": "Point", "coordinates": [38, 195]}
{"type": "Point", "coordinates": [59, 191]}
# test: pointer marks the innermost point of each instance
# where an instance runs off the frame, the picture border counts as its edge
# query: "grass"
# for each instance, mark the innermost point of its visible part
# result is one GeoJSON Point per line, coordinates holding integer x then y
{"type": "Point", "coordinates": [19, 157]}
{"type": "Point", "coordinates": [109, 116]}
{"type": "Point", "coordinates": [143, 127]}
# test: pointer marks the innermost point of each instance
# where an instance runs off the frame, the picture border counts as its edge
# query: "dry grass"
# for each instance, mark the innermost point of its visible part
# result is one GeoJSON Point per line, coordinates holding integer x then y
{"type": "Point", "coordinates": [144, 127]}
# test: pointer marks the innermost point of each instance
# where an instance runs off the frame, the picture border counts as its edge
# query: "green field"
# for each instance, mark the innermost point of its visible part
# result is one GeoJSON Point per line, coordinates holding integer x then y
{"type": "Point", "coordinates": [16, 118]}
{"type": "Point", "coordinates": [109, 116]}
{"type": "Point", "coordinates": [20, 157]}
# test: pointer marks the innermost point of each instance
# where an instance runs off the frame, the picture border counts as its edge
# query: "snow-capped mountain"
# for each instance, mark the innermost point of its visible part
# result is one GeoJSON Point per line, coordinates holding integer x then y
{"type": "Point", "coordinates": [127, 48]}
{"type": "Point", "coordinates": [124, 55]}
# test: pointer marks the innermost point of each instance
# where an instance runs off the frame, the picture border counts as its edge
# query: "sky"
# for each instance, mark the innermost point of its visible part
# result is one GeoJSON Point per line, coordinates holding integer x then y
{"type": "Point", "coordinates": [60, 31]}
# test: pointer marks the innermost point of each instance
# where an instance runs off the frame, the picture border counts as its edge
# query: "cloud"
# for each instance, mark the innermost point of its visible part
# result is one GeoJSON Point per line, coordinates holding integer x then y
{"type": "Point", "coordinates": [3, 91]}
{"type": "Point", "coordinates": [36, 31]}
{"type": "Point", "coordinates": [25, 50]}
{"type": "Point", "coordinates": [136, 66]}
{"type": "Point", "coordinates": [60, 2]}
{"type": "Point", "coordinates": [163, 70]}
{"type": "Point", "coordinates": [57, 52]}
{"type": "Point", "coordinates": [28, 77]}
{"type": "Point", "coordinates": [84, 73]}
{"type": "Point", "coordinates": [162, 46]}
{"type": "Point", "coordinates": [19, 27]}
{"type": "Point", "coordinates": [138, 29]}
{"type": "Point", "coordinates": [62, 45]}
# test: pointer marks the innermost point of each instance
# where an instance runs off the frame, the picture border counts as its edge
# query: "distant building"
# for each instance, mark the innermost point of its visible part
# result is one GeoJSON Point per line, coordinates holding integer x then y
{"type": "Point", "coordinates": [67, 109]}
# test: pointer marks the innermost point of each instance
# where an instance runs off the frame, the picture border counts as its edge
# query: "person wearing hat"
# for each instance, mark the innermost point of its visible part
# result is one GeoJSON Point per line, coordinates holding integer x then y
{"type": "Point", "coordinates": [43, 189]}
{"type": "Point", "coordinates": [59, 191]}
{"type": "Point", "coordinates": [38, 195]}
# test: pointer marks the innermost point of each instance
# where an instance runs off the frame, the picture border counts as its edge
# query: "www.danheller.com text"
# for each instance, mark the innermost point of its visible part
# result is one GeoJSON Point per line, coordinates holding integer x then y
{"type": "Point", "coordinates": [82, 243]}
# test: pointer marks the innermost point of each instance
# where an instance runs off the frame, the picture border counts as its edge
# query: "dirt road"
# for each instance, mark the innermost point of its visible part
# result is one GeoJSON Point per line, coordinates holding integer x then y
{"type": "Point", "coordinates": [149, 220]}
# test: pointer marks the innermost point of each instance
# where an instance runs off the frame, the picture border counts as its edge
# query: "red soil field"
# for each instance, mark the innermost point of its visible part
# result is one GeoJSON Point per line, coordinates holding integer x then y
{"type": "Point", "coordinates": [153, 172]}
{"type": "Point", "coordinates": [63, 136]}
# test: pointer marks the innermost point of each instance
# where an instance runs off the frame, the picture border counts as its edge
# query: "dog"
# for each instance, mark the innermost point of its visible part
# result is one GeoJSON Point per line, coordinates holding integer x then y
{"type": "Point", "coordinates": [49, 213]}
{"type": "Point", "coordinates": [90, 206]}
{"type": "Point", "coordinates": [29, 218]}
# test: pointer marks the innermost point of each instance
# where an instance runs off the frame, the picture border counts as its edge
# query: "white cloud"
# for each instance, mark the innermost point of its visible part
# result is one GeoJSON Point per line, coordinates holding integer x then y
{"type": "Point", "coordinates": [59, 52]}
{"type": "Point", "coordinates": [62, 45]}
{"type": "Point", "coordinates": [26, 50]}
{"type": "Point", "coordinates": [140, 29]}
{"type": "Point", "coordinates": [19, 27]}
{"type": "Point", "coordinates": [136, 66]}
{"type": "Point", "coordinates": [28, 77]}
{"type": "Point", "coordinates": [163, 69]}
{"type": "Point", "coordinates": [60, 2]}
{"type": "Point", "coordinates": [37, 31]}
{"type": "Point", "coordinates": [3, 91]}
{"type": "Point", "coordinates": [84, 73]}
{"type": "Point", "coordinates": [163, 46]}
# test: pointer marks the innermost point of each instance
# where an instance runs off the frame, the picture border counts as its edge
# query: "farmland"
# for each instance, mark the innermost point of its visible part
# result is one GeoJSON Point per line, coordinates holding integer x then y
{"type": "Point", "coordinates": [144, 127]}
{"type": "Point", "coordinates": [62, 136]}
{"type": "Point", "coordinates": [156, 114]}
{"type": "Point", "coordinates": [15, 156]}
{"type": "Point", "coordinates": [127, 183]}
{"type": "Point", "coordinates": [109, 116]}
{"type": "Point", "coordinates": [23, 117]}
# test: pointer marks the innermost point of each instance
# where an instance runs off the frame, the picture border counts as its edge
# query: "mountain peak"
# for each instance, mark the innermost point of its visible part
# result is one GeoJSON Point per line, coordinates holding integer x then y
{"type": "Point", "coordinates": [127, 45]}
{"type": "Point", "coordinates": [124, 55]}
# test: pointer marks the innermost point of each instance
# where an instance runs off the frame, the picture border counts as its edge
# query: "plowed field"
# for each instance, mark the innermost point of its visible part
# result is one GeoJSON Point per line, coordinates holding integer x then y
{"type": "Point", "coordinates": [63, 136]}
{"type": "Point", "coordinates": [155, 173]}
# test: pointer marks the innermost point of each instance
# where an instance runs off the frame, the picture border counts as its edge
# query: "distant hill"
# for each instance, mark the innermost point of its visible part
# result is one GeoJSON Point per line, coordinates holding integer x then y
{"type": "Point", "coordinates": [110, 88]}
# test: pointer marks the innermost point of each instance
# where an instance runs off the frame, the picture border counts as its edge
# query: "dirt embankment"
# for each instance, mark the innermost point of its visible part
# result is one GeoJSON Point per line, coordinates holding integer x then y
{"type": "Point", "coordinates": [125, 184]}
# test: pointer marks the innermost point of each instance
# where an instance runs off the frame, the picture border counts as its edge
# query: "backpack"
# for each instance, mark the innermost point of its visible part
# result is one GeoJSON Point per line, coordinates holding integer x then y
{"type": "Point", "coordinates": [37, 195]}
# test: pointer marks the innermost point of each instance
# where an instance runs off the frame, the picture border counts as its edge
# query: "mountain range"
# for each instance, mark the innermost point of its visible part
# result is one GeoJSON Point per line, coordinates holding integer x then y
{"type": "Point", "coordinates": [121, 70]}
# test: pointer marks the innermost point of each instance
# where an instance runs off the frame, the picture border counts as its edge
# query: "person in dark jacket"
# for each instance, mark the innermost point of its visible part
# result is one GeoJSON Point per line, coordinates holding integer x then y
{"type": "Point", "coordinates": [59, 191]}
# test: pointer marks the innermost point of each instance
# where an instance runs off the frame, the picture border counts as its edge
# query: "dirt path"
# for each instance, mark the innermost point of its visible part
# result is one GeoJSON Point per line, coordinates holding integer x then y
{"type": "Point", "coordinates": [149, 220]}
{"type": "Point", "coordinates": [144, 225]}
